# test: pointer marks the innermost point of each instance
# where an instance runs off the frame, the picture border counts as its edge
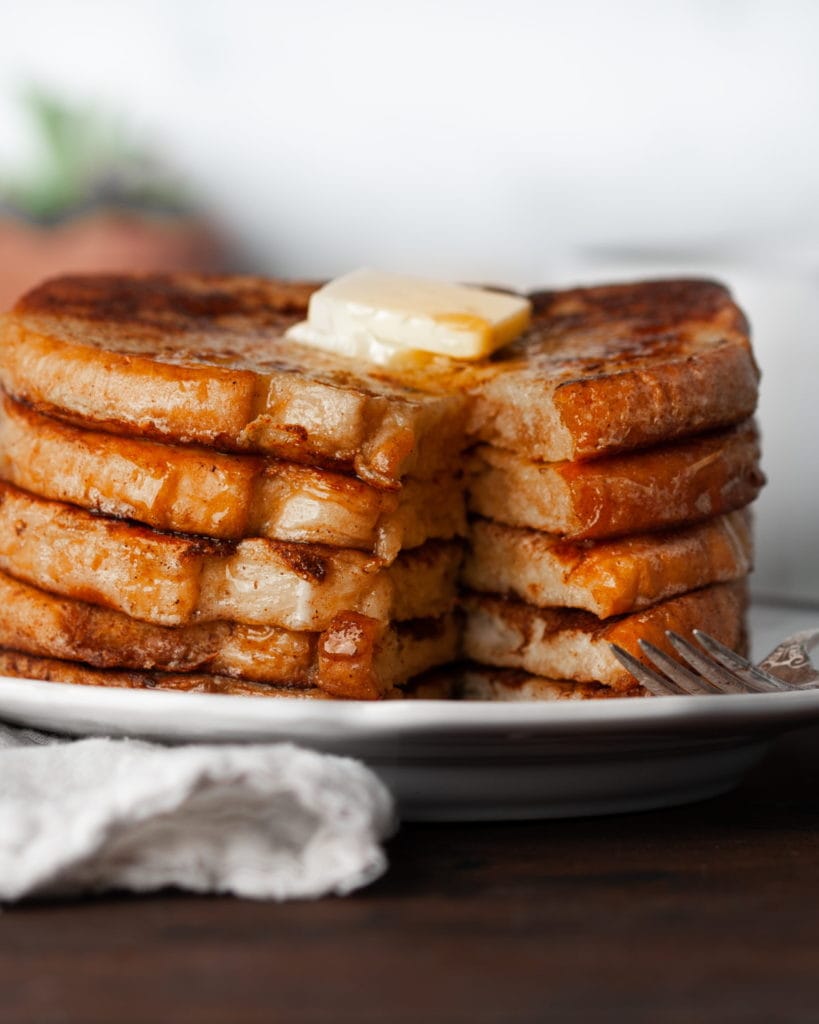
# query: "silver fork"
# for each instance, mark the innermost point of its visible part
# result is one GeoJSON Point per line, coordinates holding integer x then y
{"type": "Point", "coordinates": [714, 668]}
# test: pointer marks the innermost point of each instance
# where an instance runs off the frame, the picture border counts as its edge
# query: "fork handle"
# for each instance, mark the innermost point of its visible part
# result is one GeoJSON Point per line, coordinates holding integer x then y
{"type": "Point", "coordinates": [791, 661]}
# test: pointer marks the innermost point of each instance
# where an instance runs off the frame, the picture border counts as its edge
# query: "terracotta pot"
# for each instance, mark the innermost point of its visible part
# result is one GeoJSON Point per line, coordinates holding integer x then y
{"type": "Point", "coordinates": [102, 241]}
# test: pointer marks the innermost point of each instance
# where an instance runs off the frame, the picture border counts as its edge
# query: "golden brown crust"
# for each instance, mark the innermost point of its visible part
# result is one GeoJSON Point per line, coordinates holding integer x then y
{"type": "Point", "coordinates": [203, 359]}
{"type": "Point", "coordinates": [167, 303]}
{"type": "Point", "coordinates": [199, 359]}
{"type": "Point", "coordinates": [568, 644]}
{"type": "Point", "coordinates": [197, 490]}
{"type": "Point", "coordinates": [670, 485]}
{"type": "Point", "coordinates": [619, 367]}
{"type": "Point", "coordinates": [35, 622]}
{"type": "Point", "coordinates": [610, 577]}
{"type": "Point", "coordinates": [173, 579]}
{"type": "Point", "coordinates": [43, 625]}
{"type": "Point", "coordinates": [346, 654]}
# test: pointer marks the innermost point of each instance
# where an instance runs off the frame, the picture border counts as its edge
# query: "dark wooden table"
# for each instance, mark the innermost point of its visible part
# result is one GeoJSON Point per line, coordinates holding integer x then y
{"type": "Point", "coordinates": [703, 913]}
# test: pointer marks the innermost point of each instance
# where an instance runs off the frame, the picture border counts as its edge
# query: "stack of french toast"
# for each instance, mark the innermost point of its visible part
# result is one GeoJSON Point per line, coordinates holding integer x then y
{"type": "Point", "coordinates": [192, 500]}
{"type": "Point", "coordinates": [606, 525]}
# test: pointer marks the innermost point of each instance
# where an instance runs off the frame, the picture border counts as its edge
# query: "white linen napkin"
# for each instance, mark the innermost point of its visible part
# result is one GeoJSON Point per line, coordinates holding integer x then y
{"type": "Point", "coordinates": [262, 821]}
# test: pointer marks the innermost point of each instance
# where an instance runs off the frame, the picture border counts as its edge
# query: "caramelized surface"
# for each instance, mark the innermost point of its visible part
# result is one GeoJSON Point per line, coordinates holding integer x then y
{"type": "Point", "coordinates": [567, 644]}
{"type": "Point", "coordinates": [606, 577]}
{"type": "Point", "coordinates": [669, 485]}
{"type": "Point", "coordinates": [202, 491]}
{"type": "Point", "coordinates": [239, 323]}
{"type": "Point", "coordinates": [38, 623]}
{"type": "Point", "coordinates": [172, 580]}
{"type": "Point", "coordinates": [619, 367]}
{"type": "Point", "coordinates": [203, 359]}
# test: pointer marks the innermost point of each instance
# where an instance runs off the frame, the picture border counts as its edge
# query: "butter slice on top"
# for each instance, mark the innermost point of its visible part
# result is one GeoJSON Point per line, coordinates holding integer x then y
{"type": "Point", "coordinates": [393, 319]}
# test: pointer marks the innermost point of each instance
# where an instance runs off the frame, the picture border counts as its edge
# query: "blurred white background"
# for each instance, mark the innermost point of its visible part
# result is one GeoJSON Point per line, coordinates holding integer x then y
{"type": "Point", "coordinates": [522, 142]}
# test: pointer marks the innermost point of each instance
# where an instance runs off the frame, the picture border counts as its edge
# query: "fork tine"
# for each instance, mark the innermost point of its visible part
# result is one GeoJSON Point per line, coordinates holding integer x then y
{"type": "Point", "coordinates": [688, 681]}
{"type": "Point", "coordinates": [719, 676]}
{"type": "Point", "coordinates": [651, 680]}
{"type": "Point", "coordinates": [754, 678]}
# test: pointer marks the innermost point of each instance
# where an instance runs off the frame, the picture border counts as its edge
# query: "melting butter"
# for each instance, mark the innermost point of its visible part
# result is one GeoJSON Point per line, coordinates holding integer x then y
{"type": "Point", "coordinates": [395, 320]}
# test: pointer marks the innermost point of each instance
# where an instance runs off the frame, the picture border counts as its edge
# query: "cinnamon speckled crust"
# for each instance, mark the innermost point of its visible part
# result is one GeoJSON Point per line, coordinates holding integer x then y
{"type": "Point", "coordinates": [619, 367]}
{"type": "Point", "coordinates": [201, 359]}
{"type": "Point", "coordinates": [567, 644]}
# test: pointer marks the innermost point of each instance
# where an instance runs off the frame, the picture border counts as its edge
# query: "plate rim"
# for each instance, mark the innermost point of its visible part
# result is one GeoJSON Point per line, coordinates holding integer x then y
{"type": "Point", "coordinates": [20, 696]}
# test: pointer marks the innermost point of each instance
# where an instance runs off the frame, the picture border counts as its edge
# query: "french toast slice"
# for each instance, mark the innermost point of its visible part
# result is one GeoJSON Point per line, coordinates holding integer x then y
{"type": "Point", "coordinates": [619, 367]}
{"type": "Point", "coordinates": [19, 665]}
{"type": "Point", "coordinates": [608, 577]}
{"type": "Point", "coordinates": [201, 359]}
{"type": "Point", "coordinates": [198, 490]}
{"type": "Point", "coordinates": [650, 489]}
{"type": "Point", "coordinates": [42, 624]}
{"type": "Point", "coordinates": [172, 579]}
{"type": "Point", "coordinates": [16, 664]}
{"type": "Point", "coordinates": [481, 683]}
{"type": "Point", "coordinates": [478, 682]}
{"type": "Point", "coordinates": [568, 644]}
{"type": "Point", "coordinates": [474, 684]}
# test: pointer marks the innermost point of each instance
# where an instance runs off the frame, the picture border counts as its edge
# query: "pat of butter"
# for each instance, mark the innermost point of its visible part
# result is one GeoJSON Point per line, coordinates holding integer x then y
{"type": "Point", "coordinates": [392, 319]}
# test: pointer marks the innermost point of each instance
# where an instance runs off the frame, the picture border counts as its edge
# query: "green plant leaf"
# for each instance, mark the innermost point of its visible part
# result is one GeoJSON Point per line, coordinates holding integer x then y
{"type": "Point", "coordinates": [87, 158]}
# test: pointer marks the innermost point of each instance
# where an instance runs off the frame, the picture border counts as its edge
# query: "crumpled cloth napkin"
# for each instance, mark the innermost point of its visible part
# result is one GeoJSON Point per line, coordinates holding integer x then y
{"type": "Point", "coordinates": [263, 822]}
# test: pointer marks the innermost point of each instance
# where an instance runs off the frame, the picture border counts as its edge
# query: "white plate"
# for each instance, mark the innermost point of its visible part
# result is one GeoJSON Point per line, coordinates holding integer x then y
{"type": "Point", "coordinates": [449, 761]}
